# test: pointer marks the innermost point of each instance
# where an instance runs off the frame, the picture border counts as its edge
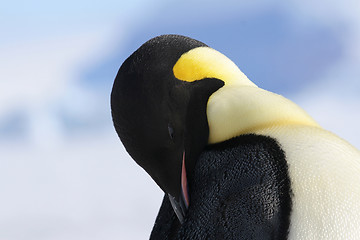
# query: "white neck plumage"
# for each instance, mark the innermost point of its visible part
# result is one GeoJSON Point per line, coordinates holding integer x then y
{"type": "Point", "coordinates": [234, 110]}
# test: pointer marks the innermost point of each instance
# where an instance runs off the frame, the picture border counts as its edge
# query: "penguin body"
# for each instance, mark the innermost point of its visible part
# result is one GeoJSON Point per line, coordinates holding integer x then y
{"type": "Point", "coordinates": [324, 170]}
{"type": "Point", "coordinates": [235, 161]}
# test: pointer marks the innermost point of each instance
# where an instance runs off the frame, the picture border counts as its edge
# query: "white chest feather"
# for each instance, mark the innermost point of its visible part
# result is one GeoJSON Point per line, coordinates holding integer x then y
{"type": "Point", "coordinates": [325, 179]}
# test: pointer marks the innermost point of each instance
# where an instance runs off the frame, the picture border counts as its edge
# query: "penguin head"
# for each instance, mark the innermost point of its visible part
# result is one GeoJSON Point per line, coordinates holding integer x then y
{"type": "Point", "coordinates": [159, 101]}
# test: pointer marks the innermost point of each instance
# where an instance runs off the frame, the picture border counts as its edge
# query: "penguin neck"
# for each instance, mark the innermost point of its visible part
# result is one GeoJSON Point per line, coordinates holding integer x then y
{"type": "Point", "coordinates": [234, 110]}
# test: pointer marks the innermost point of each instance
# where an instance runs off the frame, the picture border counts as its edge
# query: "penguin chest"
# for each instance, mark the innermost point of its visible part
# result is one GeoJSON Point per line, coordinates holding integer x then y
{"type": "Point", "coordinates": [324, 171]}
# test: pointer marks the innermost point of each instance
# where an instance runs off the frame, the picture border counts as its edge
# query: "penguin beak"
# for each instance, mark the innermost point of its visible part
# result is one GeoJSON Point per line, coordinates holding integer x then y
{"type": "Point", "coordinates": [181, 205]}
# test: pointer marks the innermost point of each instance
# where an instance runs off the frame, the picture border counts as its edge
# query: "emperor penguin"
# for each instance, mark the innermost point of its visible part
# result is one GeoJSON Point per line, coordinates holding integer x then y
{"type": "Point", "coordinates": [234, 161]}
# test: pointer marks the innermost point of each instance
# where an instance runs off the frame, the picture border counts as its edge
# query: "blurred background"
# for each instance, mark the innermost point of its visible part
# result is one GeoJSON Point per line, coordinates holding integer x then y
{"type": "Point", "coordinates": [63, 171]}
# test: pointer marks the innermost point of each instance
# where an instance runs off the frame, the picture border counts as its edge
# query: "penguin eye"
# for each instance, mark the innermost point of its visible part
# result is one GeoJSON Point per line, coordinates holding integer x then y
{"type": "Point", "coordinates": [171, 131]}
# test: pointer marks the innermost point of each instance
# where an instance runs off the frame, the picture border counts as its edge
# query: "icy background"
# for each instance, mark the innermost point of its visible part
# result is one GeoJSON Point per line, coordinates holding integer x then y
{"type": "Point", "coordinates": [64, 174]}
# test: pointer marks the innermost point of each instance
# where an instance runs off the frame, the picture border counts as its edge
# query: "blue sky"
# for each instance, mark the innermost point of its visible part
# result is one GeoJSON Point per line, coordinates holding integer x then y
{"type": "Point", "coordinates": [65, 174]}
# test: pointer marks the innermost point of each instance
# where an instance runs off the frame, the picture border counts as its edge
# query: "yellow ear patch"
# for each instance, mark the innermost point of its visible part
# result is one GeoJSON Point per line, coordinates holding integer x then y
{"type": "Point", "coordinates": [205, 62]}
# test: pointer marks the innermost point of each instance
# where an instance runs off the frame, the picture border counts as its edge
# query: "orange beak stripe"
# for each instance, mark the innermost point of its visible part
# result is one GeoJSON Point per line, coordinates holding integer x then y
{"type": "Point", "coordinates": [184, 186]}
